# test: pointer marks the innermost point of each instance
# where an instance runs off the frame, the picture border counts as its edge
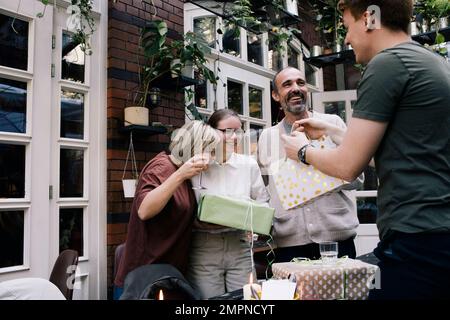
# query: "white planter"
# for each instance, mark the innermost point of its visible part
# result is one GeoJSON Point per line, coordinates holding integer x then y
{"type": "Point", "coordinates": [136, 115]}
{"type": "Point", "coordinates": [129, 187]}
{"type": "Point", "coordinates": [413, 28]}
{"type": "Point", "coordinates": [316, 51]}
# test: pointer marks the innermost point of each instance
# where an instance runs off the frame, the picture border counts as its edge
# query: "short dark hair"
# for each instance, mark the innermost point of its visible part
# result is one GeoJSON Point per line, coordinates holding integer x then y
{"type": "Point", "coordinates": [395, 14]}
{"type": "Point", "coordinates": [221, 114]}
{"type": "Point", "coordinates": [274, 85]}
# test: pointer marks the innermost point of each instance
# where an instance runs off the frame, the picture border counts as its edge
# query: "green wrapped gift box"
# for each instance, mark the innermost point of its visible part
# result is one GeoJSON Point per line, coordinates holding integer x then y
{"type": "Point", "coordinates": [239, 214]}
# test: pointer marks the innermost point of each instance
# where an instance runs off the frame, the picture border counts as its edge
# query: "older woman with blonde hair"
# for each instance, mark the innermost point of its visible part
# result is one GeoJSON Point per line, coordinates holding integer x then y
{"type": "Point", "coordinates": [162, 213]}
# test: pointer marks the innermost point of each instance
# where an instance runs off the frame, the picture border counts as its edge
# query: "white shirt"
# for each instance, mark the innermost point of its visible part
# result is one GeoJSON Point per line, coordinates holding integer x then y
{"type": "Point", "coordinates": [29, 289]}
{"type": "Point", "coordinates": [239, 177]}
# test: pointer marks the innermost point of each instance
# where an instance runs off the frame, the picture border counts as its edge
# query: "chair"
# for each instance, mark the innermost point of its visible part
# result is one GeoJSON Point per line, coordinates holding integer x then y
{"type": "Point", "coordinates": [64, 271]}
{"type": "Point", "coordinates": [118, 253]}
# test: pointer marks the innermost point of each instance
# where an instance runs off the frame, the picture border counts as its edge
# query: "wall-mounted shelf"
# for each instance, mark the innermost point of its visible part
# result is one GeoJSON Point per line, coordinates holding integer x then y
{"type": "Point", "coordinates": [429, 37]}
{"type": "Point", "coordinates": [168, 83]}
{"type": "Point", "coordinates": [348, 56]}
{"type": "Point", "coordinates": [263, 10]}
{"type": "Point", "coordinates": [143, 130]}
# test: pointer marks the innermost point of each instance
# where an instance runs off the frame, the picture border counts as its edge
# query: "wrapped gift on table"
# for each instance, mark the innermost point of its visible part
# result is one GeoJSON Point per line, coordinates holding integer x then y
{"type": "Point", "coordinates": [297, 183]}
{"type": "Point", "coordinates": [240, 214]}
{"type": "Point", "coordinates": [346, 279]}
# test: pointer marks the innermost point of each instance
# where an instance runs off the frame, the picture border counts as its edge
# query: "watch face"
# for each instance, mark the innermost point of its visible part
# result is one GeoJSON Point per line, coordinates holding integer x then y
{"type": "Point", "coordinates": [302, 154]}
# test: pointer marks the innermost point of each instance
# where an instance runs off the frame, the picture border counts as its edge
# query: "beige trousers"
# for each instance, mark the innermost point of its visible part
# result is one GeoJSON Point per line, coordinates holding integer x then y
{"type": "Point", "coordinates": [219, 263]}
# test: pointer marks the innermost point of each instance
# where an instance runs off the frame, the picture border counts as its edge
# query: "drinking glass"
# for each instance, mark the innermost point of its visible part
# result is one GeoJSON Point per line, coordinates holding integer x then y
{"type": "Point", "coordinates": [328, 251]}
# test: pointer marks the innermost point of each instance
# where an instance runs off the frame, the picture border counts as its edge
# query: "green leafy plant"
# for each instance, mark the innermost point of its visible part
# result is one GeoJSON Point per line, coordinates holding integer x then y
{"type": "Point", "coordinates": [329, 22]}
{"type": "Point", "coordinates": [433, 10]}
{"type": "Point", "coordinates": [242, 14]}
{"type": "Point", "coordinates": [159, 53]}
{"type": "Point", "coordinates": [81, 21]}
{"type": "Point", "coordinates": [86, 26]}
{"type": "Point", "coordinates": [281, 37]}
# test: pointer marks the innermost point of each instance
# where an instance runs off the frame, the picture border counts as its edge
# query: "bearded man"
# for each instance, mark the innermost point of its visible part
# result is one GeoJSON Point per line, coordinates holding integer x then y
{"type": "Point", "coordinates": [331, 217]}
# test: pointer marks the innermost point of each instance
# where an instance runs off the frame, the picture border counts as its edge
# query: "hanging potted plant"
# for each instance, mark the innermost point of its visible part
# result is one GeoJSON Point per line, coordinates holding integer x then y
{"type": "Point", "coordinates": [329, 25]}
{"type": "Point", "coordinates": [129, 185]}
{"type": "Point", "coordinates": [162, 58]}
{"type": "Point", "coordinates": [80, 22]}
{"type": "Point", "coordinates": [156, 60]}
{"type": "Point", "coordinates": [433, 14]}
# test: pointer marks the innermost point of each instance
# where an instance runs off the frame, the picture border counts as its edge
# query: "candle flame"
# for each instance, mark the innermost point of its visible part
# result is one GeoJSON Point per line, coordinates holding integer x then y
{"type": "Point", "coordinates": [250, 280]}
{"type": "Point", "coordinates": [161, 295]}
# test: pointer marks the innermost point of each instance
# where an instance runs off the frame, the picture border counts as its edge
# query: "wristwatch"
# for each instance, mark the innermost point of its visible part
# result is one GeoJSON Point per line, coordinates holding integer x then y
{"type": "Point", "coordinates": [302, 154]}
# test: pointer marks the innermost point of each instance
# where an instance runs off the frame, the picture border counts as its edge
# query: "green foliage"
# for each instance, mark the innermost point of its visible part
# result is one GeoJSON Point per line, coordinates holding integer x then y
{"type": "Point", "coordinates": [281, 37]}
{"type": "Point", "coordinates": [159, 54]}
{"type": "Point", "coordinates": [82, 9]}
{"type": "Point", "coordinates": [433, 10]}
{"type": "Point", "coordinates": [241, 14]}
{"type": "Point", "coordinates": [329, 22]}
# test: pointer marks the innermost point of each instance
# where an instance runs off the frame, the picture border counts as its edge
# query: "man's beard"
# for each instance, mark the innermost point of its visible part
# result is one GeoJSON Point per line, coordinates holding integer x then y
{"type": "Point", "coordinates": [297, 107]}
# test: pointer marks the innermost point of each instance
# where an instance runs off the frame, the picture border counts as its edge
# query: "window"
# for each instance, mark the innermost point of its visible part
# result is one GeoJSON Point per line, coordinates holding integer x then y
{"type": "Point", "coordinates": [255, 97]}
{"type": "Point", "coordinates": [201, 95]}
{"type": "Point", "coordinates": [254, 48]}
{"type": "Point", "coordinates": [235, 99]}
{"type": "Point", "coordinates": [72, 115]}
{"type": "Point", "coordinates": [72, 64]}
{"type": "Point", "coordinates": [231, 43]}
{"type": "Point", "coordinates": [311, 75]}
{"type": "Point", "coordinates": [275, 60]}
{"type": "Point", "coordinates": [11, 238]}
{"type": "Point", "coordinates": [255, 133]}
{"type": "Point", "coordinates": [366, 200]}
{"type": "Point", "coordinates": [12, 171]}
{"type": "Point", "coordinates": [71, 173]}
{"type": "Point", "coordinates": [13, 105]}
{"type": "Point", "coordinates": [293, 57]}
{"type": "Point", "coordinates": [71, 230]}
{"type": "Point", "coordinates": [337, 108]}
{"type": "Point", "coordinates": [205, 27]}
{"type": "Point", "coordinates": [14, 42]}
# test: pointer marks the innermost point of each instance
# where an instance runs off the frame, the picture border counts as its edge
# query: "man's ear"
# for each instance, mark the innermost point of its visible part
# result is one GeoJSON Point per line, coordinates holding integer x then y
{"type": "Point", "coordinates": [372, 18]}
{"type": "Point", "coordinates": [275, 96]}
{"type": "Point", "coordinates": [367, 19]}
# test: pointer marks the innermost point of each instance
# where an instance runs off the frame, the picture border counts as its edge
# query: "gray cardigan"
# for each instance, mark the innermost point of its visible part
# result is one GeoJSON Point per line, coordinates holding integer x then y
{"type": "Point", "coordinates": [329, 217]}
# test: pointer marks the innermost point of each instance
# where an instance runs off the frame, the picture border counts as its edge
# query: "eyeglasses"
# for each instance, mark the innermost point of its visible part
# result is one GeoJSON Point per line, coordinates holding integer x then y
{"type": "Point", "coordinates": [229, 132]}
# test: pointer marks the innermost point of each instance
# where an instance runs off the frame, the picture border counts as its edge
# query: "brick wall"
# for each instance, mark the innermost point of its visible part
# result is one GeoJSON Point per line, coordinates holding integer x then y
{"type": "Point", "coordinates": [126, 17]}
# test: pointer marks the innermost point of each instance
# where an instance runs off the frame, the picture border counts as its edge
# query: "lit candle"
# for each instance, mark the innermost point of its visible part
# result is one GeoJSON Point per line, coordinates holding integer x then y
{"type": "Point", "coordinates": [248, 288]}
{"type": "Point", "coordinates": [160, 296]}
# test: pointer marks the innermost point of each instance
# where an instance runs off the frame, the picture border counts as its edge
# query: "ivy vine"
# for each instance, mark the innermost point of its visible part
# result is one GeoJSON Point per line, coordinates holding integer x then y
{"type": "Point", "coordinates": [80, 22]}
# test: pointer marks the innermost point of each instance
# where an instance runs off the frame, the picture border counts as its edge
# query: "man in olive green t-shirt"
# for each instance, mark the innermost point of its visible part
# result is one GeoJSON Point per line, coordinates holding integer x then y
{"type": "Point", "coordinates": [402, 119]}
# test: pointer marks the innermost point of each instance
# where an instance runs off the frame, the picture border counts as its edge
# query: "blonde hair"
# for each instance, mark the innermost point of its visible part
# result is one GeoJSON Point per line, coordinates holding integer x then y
{"type": "Point", "coordinates": [193, 138]}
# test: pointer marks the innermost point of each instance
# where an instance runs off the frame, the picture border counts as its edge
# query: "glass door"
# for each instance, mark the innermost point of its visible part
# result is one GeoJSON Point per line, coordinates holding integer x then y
{"type": "Point", "coordinates": [52, 146]}
{"type": "Point", "coordinates": [341, 103]}
{"type": "Point", "coordinates": [25, 110]}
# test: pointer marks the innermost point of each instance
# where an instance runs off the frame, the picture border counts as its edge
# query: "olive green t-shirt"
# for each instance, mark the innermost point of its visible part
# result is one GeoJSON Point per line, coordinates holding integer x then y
{"type": "Point", "coordinates": [408, 87]}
